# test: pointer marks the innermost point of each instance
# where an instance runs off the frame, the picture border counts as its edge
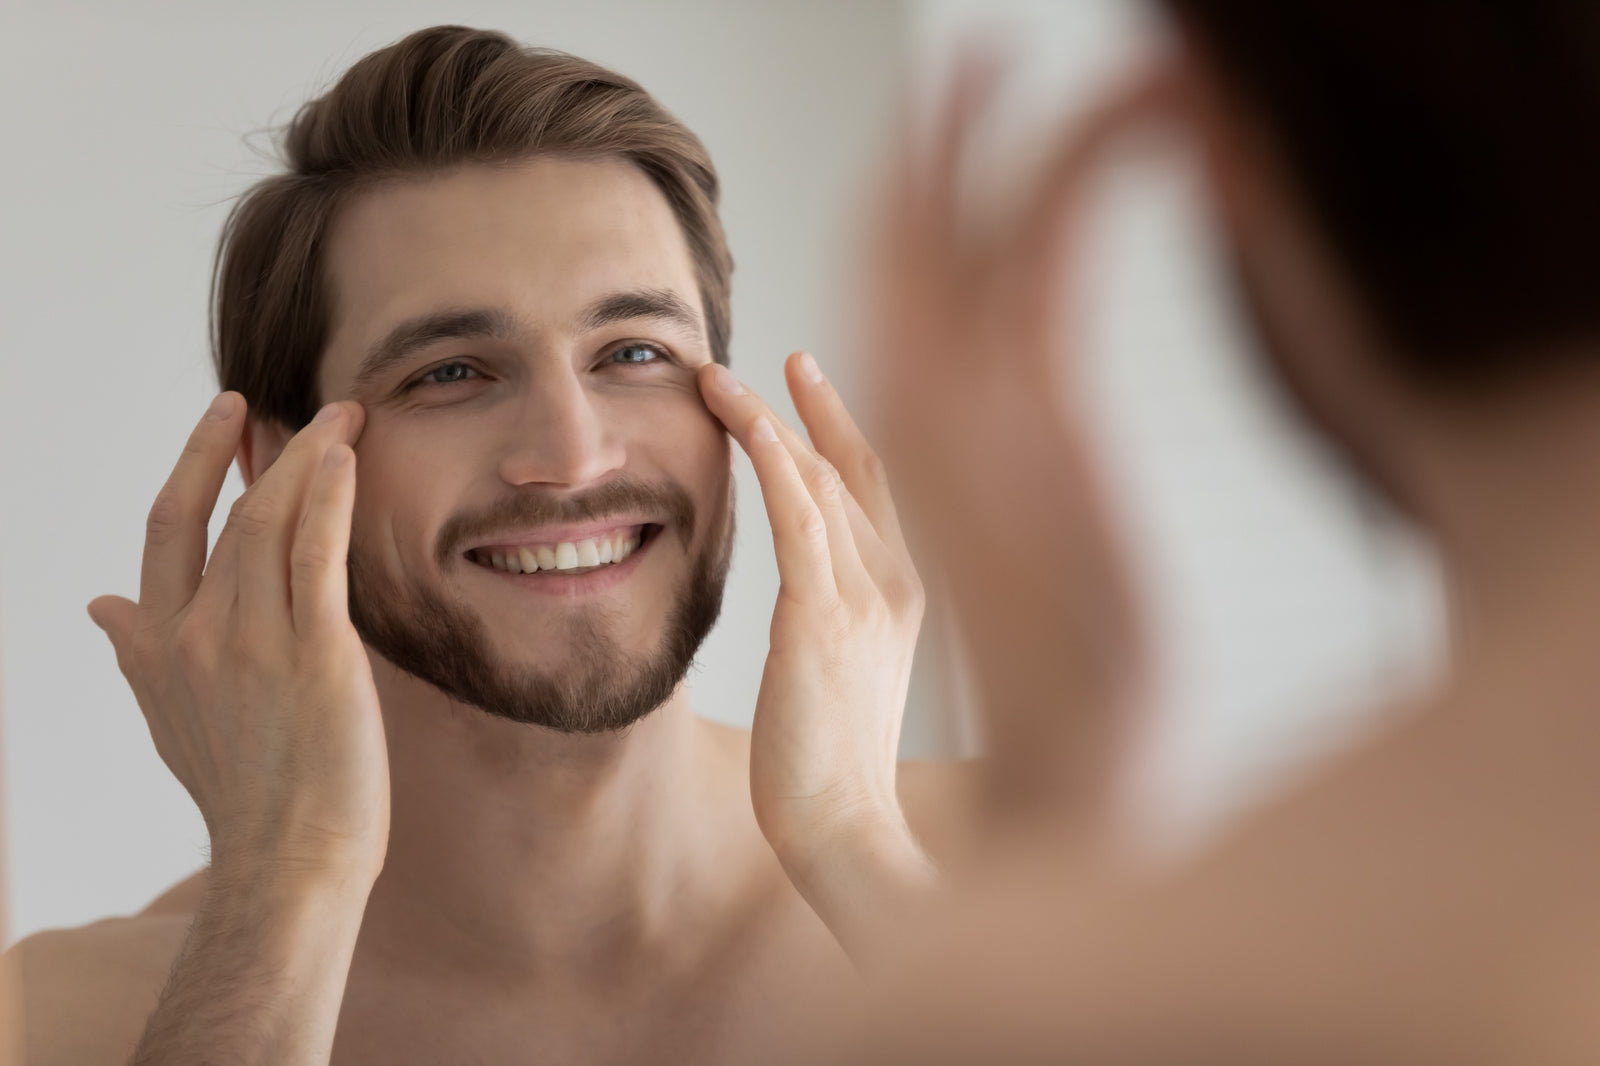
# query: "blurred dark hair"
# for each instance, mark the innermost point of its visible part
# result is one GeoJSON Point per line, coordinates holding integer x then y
{"type": "Point", "coordinates": [1450, 152]}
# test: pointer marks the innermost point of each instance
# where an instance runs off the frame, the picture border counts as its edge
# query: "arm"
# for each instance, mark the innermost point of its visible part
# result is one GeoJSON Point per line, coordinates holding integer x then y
{"type": "Point", "coordinates": [261, 976]}
{"type": "Point", "coordinates": [864, 881]}
{"type": "Point", "coordinates": [260, 699]}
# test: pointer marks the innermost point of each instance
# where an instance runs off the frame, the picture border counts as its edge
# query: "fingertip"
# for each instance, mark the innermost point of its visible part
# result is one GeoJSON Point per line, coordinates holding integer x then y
{"type": "Point", "coordinates": [702, 379]}
{"type": "Point", "coordinates": [722, 380]}
{"type": "Point", "coordinates": [805, 364]}
{"type": "Point", "coordinates": [358, 418]}
{"type": "Point", "coordinates": [338, 457]}
{"type": "Point", "coordinates": [223, 407]}
{"type": "Point", "coordinates": [103, 611]}
{"type": "Point", "coordinates": [348, 415]}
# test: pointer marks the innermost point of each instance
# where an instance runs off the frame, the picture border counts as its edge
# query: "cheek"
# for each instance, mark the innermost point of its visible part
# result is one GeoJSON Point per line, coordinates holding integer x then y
{"type": "Point", "coordinates": [403, 492]}
{"type": "Point", "coordinates": [714, 474]}
{"type": "Point", "coordinates": [703, 448]}
{"type": "Point", "coordinates": [673, 424]}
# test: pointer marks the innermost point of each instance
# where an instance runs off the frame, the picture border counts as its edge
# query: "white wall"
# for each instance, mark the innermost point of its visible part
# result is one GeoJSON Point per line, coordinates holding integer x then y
{"type": "Point", "coordinates": [124, 134]}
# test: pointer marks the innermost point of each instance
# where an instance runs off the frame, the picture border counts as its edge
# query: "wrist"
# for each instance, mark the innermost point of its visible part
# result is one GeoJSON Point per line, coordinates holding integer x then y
{"type": "Point", "coordinates": [862, 878]}
{"type": "Point", "coordinates": [873, 846]}
{"type": "Point", "coordinates": [288, 875]}
{"type": "Point", "coordinates": [291, 913]}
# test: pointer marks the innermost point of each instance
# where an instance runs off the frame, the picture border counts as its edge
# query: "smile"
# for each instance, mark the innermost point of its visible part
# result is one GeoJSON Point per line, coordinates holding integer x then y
{"type": "Point", "coordinates": [573, 557]}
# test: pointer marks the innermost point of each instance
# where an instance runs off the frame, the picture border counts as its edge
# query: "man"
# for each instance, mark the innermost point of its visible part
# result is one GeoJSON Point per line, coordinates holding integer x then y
{"type": "Point", "coordinates": [459, 807]}
{"type": "Point", "coordinates": [1407, 195]}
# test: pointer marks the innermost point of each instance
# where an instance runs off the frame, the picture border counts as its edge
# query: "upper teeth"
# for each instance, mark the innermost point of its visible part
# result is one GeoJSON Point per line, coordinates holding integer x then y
{"type": "Point", "coordinates": [566, 555]}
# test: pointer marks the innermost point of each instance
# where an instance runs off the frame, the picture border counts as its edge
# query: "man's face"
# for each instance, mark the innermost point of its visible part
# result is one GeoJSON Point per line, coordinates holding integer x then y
{"type": "Point", "coordinates": [524, 338]}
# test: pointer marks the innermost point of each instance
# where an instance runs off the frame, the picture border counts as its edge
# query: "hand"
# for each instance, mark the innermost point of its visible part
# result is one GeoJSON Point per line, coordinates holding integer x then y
{"type": "Point", "coordinates": [827, 722]}
{"type": "Point", "coordinates": [975, 403]}
{"type": "Point", "coordinates": [255, 686]}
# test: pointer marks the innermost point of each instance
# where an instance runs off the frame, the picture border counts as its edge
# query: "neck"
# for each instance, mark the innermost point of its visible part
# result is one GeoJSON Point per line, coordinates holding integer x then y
{"type": "Point", "coordinates": [514, 848]}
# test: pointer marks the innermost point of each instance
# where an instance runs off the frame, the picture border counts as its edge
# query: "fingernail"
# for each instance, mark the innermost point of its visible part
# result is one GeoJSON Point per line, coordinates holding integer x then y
{"type": "Point", "coordinates": [762, 429]}
{"type": "Point", "coordinates": [724, 380]}
{"type": "Point", "coordinates": [809, 368]}
{"type": "Point", "coordinates": [328, 413]}
{"type": "Point", "coordinates": [220, 408]}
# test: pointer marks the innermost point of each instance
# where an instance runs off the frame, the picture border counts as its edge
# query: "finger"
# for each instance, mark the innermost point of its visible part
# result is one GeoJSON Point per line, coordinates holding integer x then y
{"type": "Point", "coordinates": [924, 250]}
{"type": "Point", "coordinates": [175, 531]}
{"type": "Point", "coordinates": [1137, 100]}
{"type": "Point", "coordinates": [267, 516]}
{"type": "Point", "coordinates": [732, 402]}
{"type": "Point", "coordinates": [850, 533]}
{"type": "Point", "coordinates": [800, 532]}
{"type": "Point", "coordinates": [839, 440]}
{"type": "Point", "coordinates": [1036, 258]}
{"type": "Point", "coordinates": [876, 536]}
{"type": "Point", "coordinates": [116, 616]}
{"type": "Point", "coordinates": [317, 561]}
{"type": "Point", "coordinates": [969, 92]}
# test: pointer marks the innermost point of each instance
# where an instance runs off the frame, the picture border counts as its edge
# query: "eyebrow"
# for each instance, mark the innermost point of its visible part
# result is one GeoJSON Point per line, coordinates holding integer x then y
{"type": "Point", "coordinates": [419, 332]}
{"type": "Point", "coordinates": [662, 305]}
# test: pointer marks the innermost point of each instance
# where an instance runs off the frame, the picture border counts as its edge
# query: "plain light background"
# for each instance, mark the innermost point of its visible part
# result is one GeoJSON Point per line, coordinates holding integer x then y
{"type": "Point", "coordinates": [1283, 605]}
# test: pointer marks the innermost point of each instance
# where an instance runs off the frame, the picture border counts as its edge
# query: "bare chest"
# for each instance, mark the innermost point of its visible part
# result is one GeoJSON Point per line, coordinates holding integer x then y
{"type": "Point", "coordinates": [735, 1010]}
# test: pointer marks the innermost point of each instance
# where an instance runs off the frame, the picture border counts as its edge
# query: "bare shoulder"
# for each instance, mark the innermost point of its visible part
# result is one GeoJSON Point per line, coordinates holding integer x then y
{"type": "Point", "coordinates": [182, 898]}
{"type": "Point", "coordinates": [941, 800]}
{"type": "Point", "coordinates": [86, 992]}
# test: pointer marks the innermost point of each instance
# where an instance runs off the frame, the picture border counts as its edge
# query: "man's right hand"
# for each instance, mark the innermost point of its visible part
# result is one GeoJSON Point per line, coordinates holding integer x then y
{"type": "Point", "coordinates": [253, 681]}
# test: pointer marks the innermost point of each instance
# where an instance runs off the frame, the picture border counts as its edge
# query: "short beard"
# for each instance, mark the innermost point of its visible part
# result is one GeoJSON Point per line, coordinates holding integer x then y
{"type": "Point", "coordinates": [600, 688]}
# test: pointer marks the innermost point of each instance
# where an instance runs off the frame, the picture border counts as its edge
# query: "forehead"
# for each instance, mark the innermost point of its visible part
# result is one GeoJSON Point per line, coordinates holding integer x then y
{"type": "Point", "coordinates": [540, 238]}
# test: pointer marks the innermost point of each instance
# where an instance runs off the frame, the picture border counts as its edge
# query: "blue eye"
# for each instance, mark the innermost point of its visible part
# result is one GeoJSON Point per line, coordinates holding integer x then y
{"type": "Point", "coordinates": [636, 354]}
{"type": "Point", "coordinates": [446, 374]}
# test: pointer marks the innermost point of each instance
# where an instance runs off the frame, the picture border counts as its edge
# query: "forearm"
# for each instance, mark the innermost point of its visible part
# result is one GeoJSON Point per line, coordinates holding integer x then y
{"type": "Point", "coordinates": [863, 883]}
{"type": "Point", "coordinates": [262, 975]}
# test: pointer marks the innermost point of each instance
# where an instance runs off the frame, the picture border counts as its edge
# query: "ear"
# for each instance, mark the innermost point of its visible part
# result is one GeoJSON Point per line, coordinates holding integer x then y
{"type": "Point", "coordinates": [259, 448]}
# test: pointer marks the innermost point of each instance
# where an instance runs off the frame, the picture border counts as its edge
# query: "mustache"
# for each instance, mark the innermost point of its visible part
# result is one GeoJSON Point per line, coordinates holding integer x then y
{"type": "Point", "coordinates": [534, 507]}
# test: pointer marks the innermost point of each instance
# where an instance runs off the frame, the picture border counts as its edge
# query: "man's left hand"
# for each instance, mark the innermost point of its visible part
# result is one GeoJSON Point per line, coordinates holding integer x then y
{"type": "Point", "coordinates": [827, 721]}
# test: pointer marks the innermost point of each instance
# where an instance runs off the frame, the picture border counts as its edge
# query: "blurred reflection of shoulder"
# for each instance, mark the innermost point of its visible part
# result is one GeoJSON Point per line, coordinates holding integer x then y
{"type": "Point", "coordinates": [86, 992]}
{"type": "Point", "coordinates": [940, 800]}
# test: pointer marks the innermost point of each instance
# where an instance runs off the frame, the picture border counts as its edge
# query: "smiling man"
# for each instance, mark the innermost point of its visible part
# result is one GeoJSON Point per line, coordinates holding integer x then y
{"type": "Point", "coordinates": [427, 690]}
{"type": "Point", "coordinates": [534, 426]}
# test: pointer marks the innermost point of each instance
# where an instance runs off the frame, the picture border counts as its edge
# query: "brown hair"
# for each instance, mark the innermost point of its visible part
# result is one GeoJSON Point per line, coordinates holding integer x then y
{"type": "Point", "coordinates": [440, 97]}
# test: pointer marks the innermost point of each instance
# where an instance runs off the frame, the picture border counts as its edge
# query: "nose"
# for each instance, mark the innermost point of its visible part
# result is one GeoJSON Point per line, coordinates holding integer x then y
{"type": "Point", "coordinates": [560, 437]}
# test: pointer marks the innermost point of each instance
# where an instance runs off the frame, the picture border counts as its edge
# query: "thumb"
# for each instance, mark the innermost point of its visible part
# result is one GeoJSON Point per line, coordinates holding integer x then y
{"type": "Point", "coordinates": [115, 616]}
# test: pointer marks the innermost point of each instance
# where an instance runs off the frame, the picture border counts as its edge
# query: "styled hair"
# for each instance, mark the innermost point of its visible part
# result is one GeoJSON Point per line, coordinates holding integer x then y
{"type": "Point", "coordinates": [1449, 153]}
{"type": "Point", "coordinates": [438, 98]}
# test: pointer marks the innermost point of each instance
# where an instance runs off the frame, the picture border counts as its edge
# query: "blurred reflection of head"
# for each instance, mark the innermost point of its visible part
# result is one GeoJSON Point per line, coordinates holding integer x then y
{"type": "Point", "coordinates": [1409, 197]}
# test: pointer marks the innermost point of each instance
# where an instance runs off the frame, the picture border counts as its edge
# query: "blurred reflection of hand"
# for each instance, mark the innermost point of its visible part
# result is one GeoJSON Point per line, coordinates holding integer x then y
{"type": "Point", "coordinates": [976, 392]}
